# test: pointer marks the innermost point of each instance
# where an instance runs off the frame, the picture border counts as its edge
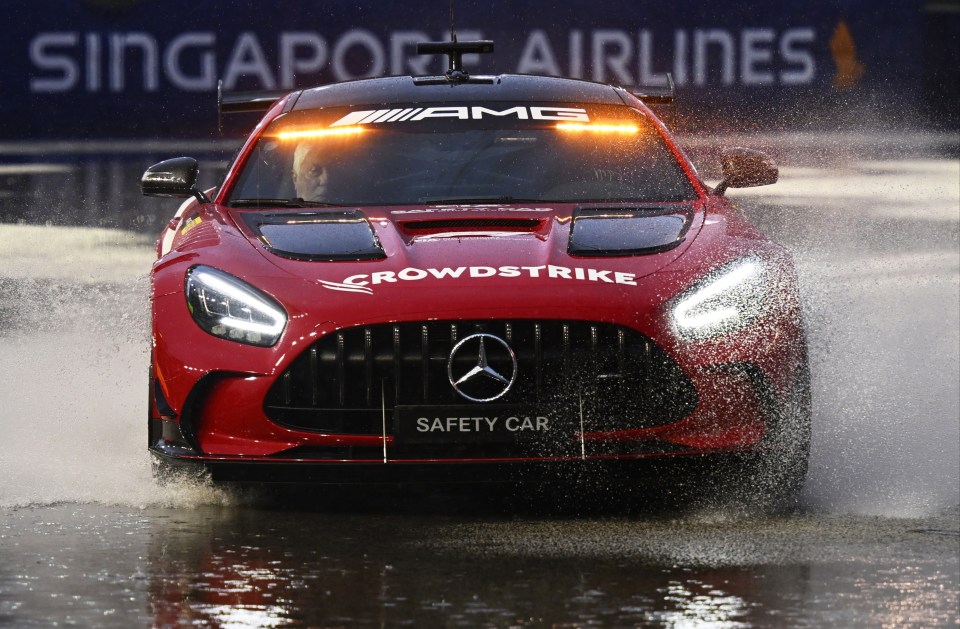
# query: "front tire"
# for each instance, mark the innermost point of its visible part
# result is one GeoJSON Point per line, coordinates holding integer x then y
{"type": "Point", "coordinates": [782, 465]}
{"type": "Point", "coordinates": [770, 479]}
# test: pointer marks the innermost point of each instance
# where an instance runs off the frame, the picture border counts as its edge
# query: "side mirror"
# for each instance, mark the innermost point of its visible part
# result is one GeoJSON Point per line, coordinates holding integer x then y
{"type": "Point", "coordinates": [175, 177]}
{"type": "Point", "coordinates": [745, 168]}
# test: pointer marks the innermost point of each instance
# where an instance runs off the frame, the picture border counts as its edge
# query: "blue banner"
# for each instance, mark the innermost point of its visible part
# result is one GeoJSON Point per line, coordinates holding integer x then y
{"type": "Point", "coordinates": [130, 68]}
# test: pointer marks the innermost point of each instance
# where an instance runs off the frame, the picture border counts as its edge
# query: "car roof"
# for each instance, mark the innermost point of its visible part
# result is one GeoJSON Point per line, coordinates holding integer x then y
{"type": "Point", "coordinates": [503, 87]}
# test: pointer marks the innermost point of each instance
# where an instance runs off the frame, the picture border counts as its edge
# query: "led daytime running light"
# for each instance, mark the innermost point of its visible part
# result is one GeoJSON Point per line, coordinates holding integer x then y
{"type": "Point", "coordinates": [228, 307]}
{"type": "Point", "coordinates": [722, 303]}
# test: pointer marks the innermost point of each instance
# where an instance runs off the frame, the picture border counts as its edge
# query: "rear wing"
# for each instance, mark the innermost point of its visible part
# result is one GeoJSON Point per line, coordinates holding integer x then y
{"type": "Point", "coordinates": [245, 102]}
{"type": "Point", "coordinates": [655, 95]}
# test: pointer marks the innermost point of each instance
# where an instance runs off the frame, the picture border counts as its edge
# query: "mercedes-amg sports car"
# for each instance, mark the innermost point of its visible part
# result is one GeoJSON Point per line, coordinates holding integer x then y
{"type": "Point", "coordinates": [471, 278]}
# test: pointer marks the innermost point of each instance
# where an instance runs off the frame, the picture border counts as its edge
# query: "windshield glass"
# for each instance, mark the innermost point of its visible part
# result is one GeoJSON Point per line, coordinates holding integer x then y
{"type": "Point", "coordinates": [497, 152]}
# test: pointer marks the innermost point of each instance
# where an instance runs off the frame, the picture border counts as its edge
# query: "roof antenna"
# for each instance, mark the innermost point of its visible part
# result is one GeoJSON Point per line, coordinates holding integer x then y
{"type": "Point", "coordinates": [455, 51]}
{"type": "Point", "coordinates": [453, 26]}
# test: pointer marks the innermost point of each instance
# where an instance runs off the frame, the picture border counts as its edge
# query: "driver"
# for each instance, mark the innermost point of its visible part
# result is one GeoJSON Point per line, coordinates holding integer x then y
{"type": "Point", "coordinates": [310, 176]}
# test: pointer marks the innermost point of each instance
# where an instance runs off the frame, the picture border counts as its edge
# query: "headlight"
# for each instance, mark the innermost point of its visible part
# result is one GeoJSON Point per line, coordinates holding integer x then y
{"type": "Point", "coordinates": [228, 307]}
{"type": "Point", "coordinates": [723, 302]}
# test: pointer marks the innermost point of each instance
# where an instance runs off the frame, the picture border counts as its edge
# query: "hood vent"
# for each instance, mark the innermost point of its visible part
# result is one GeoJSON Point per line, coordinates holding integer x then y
{"type": "Point", "coordinates": [623, 231]}
{"type": "Point", "coordinates": [319, 236]}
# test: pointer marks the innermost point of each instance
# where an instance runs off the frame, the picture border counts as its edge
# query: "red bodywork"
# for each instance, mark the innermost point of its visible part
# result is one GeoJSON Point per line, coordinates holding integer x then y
{"type": "Point", "coordinates": [731, 412]}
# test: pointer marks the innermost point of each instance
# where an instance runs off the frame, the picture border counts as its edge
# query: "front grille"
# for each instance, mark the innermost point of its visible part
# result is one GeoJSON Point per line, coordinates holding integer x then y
{"type": "Point", "coordinates": [607, 376]}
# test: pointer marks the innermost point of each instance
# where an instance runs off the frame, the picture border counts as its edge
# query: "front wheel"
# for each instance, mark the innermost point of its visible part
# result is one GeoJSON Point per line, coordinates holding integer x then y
{"type": "Point", "coordinates": [771, 478]}
{"type": "Point", "coordinates": [782, 465]}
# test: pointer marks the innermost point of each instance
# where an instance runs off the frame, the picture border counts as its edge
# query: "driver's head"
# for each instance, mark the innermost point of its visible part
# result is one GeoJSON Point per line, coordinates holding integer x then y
{"type": "Point", "coordinates": [309, 172]}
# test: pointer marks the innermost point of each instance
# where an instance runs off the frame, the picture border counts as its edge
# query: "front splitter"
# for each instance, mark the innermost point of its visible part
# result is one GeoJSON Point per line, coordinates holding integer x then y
{"type": "Point", "coordinates": [642, 470]}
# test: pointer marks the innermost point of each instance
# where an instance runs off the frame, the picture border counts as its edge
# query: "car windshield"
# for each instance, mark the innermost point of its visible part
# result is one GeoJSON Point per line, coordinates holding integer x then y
{"type": "Point", "coordinates": [497, 153]}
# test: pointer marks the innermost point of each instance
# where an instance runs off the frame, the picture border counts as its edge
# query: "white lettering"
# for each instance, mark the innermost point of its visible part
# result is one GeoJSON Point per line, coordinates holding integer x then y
{"type": "Point", "coordinates": [477, 112]}
{"type": "Point", "coordinates": [44, 59]}
{"type": "Point", "coordinates": [443, 112]}
{"type": "Point", "coordinates": [754, 50]}
{"type": "Point", "coordinates": [537, 56]}
{"type": "Point", "coordinates": [461, 424]}
{"type": "Point", "coordinates": [206, 79]}
{"type": "Point", "coordinates": [93, 62]}
{"type": "Point", "coordinates": [482, 271]}
{"type": "Point", "coordinates": [247, 58]}
{"type": "Point", "coordinates": [353, 117]}
{"type": "Point", "coordinates": [119, 43]}
{"type": "Point", "coordinates": [680, 57]}
{"type": "Point", "coordinates": [517, 424]}
{"type": "Point", "coordinates": [547, 271]}
{"type": "Point", "coordinates": [616, 61]}
{"type": "Point", "coordinates": [447, 272]}
{"type": "Point", "coordinates": [559, 113]}
{"type": "Point", "coordinates": [188, 61]}
{"type": "Point", "coordinates": [702, 39]}
{"type": "Point", "coordinates": [290, 63]}
{"type": "Point", "coordinates": [356, 280]}
{"type": "Point", "coordinates": [412, 274]}
{"type": "Point", "coordinates": [598, 276]}
{"type": "Point", "coordinates": [380, 277]}
{"type": "Point", "coordinates": [645, 61]}
{"type": "Point", "coordinates": [371, 116]}
{"type": "Point", "coordinates": [803, 58]}
{"type": "Point", "coordinates": [576, 54]}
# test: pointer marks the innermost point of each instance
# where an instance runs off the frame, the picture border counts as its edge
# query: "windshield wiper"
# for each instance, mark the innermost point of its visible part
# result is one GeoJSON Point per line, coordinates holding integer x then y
{"type": "Point", "coordinates": [300, 203]}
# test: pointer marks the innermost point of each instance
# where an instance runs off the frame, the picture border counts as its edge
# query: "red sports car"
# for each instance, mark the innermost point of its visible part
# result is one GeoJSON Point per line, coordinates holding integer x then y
{"type": "Point", "coordinates": [471, 278]}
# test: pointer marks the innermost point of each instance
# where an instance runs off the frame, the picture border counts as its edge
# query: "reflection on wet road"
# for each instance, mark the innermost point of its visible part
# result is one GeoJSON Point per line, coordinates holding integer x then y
{"type": "Point", "coordinates": [53, 183]}
{"type": "Point", "coordinates": [87, 538]}
{"type": "Point", "coordinates": [256, 567]}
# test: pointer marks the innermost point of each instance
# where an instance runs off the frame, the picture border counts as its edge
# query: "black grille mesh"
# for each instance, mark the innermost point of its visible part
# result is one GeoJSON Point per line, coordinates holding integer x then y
{"type": "Point", "coordinates": [611, 376]}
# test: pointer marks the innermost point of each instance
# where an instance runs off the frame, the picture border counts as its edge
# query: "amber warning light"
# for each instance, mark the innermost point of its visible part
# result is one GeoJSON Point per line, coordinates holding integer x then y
{"type": "Point", "coordinates": [598, 127]}
{"type": "Point", "coordinates": [300, 134]}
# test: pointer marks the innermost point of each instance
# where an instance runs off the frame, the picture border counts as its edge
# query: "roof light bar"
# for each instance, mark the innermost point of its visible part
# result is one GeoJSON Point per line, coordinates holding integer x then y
{"type": "Point", "coordinates": [598, 127]}
{"type": "Point", "coordinates": [301, 134]}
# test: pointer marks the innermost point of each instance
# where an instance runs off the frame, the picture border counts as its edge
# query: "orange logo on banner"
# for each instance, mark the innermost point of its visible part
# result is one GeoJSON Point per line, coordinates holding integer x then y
{"type": "Point", "coordinates": [849, 69]}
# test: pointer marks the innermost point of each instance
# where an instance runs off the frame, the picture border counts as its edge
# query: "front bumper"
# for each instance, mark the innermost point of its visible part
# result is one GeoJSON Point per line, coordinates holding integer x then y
{"type": "Point", "coordinates": [215, 392]}
{"type": "Point", "coordinates": [640, 471]}
{"type": "Point", "coordinates": [738, 424]}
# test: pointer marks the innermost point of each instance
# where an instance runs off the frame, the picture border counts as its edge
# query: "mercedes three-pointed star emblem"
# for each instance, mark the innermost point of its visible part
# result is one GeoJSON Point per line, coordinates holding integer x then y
{"type": "Point", "coordinates": [483, 383]}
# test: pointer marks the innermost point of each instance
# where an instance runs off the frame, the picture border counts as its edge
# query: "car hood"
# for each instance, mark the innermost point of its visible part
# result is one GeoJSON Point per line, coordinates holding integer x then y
{"type": "Point", "coordinates": [437, 258]}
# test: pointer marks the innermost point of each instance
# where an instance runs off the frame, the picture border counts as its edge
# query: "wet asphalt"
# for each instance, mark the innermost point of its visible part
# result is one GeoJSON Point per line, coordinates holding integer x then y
{"type": "Point", "coordinates": [256, 566]}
